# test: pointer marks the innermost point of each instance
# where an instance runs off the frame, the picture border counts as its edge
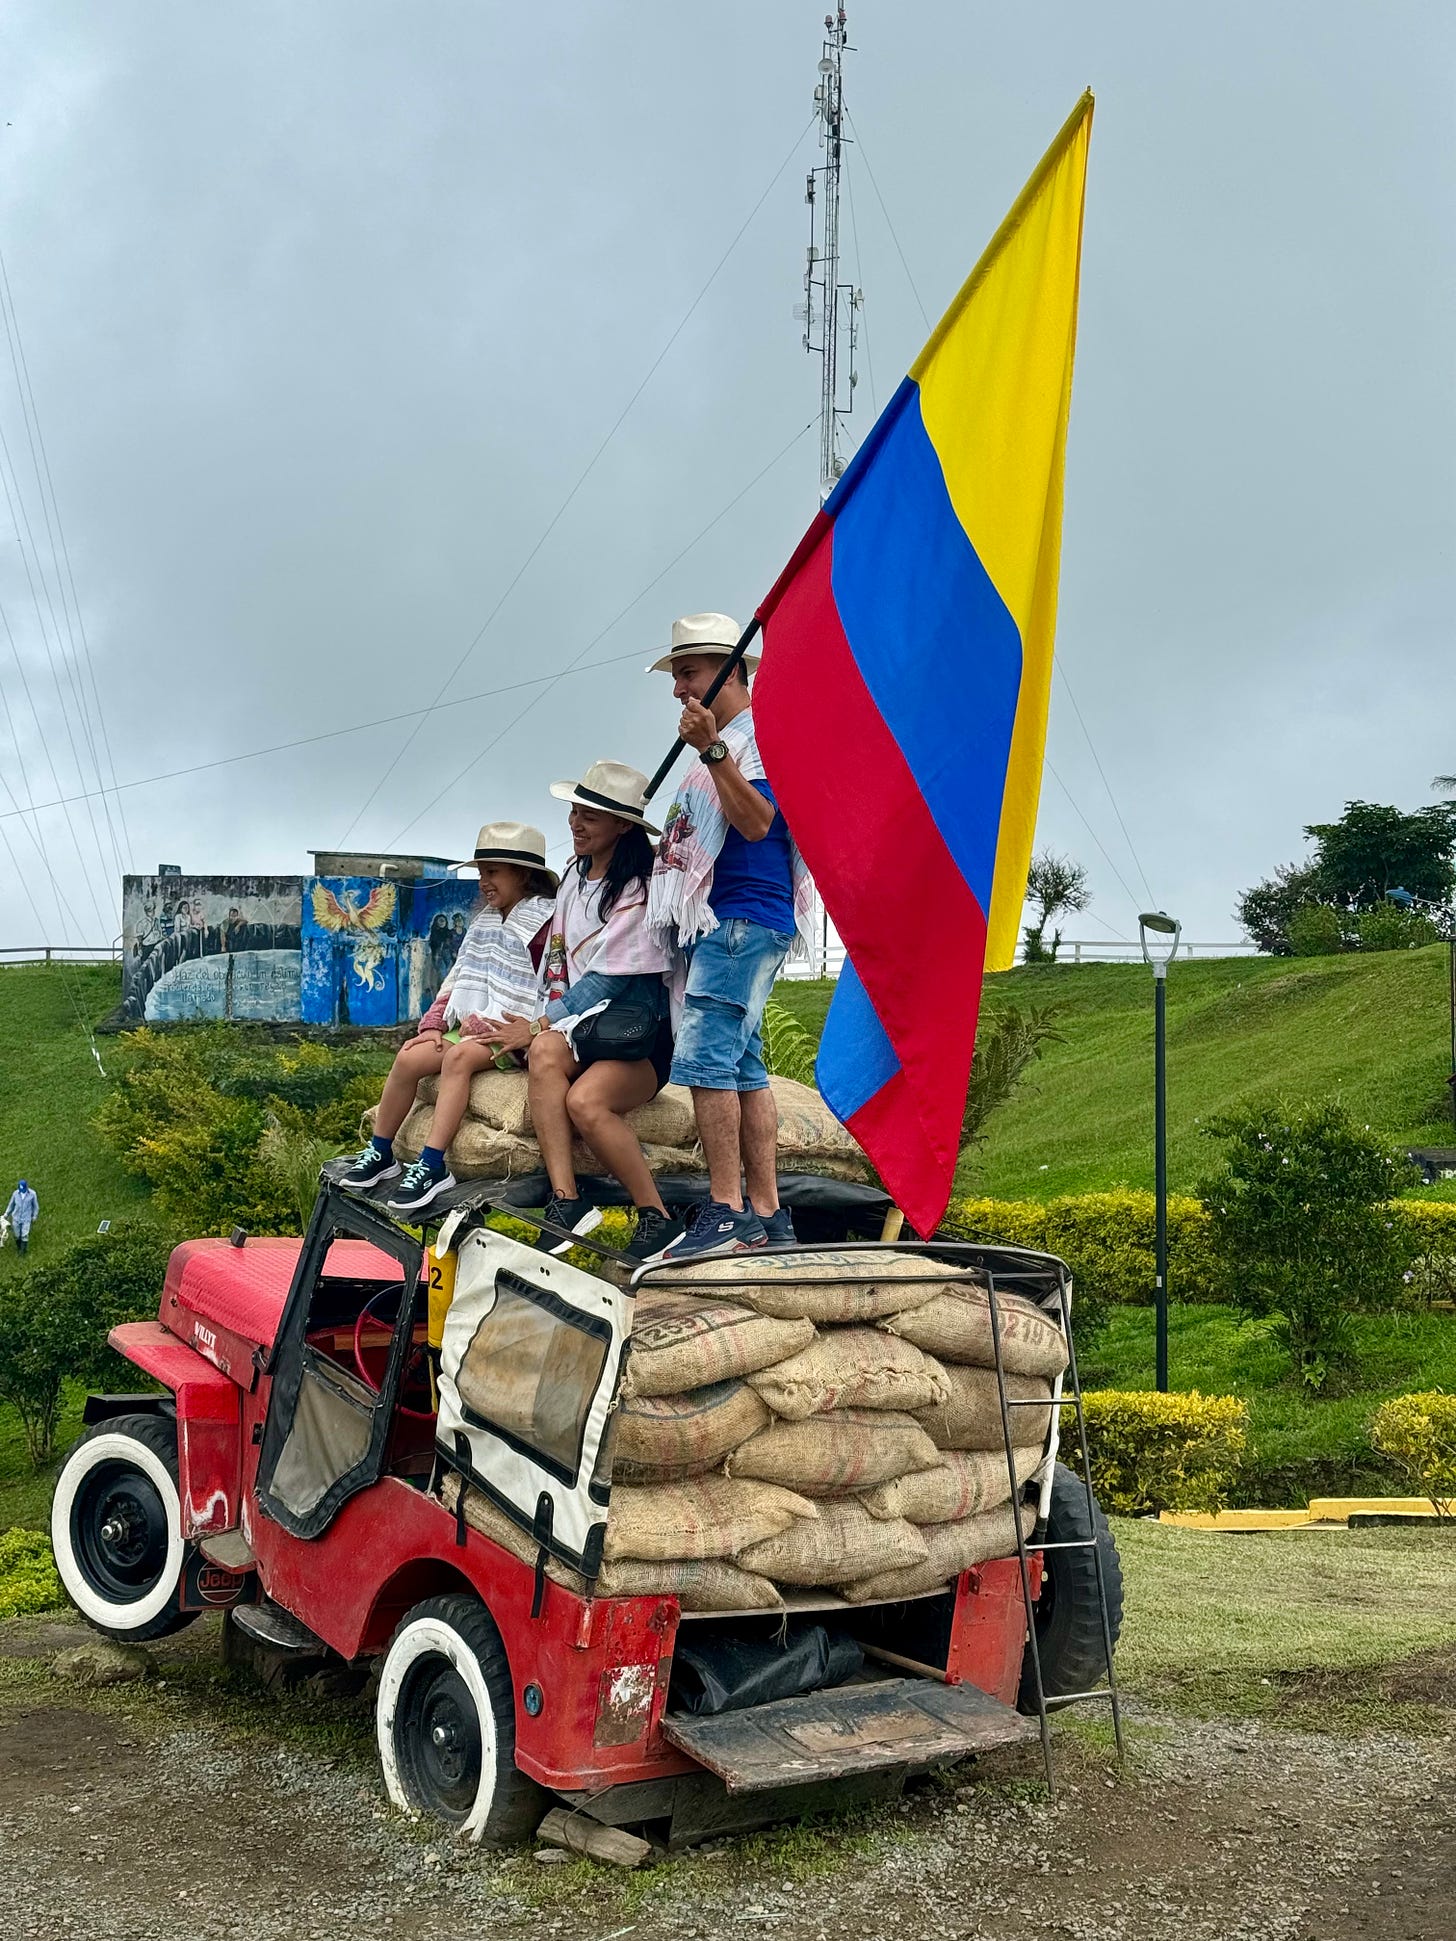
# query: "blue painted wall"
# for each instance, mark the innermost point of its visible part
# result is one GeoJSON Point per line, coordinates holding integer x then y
{"type": "Point", "coordinates": [375, 952]}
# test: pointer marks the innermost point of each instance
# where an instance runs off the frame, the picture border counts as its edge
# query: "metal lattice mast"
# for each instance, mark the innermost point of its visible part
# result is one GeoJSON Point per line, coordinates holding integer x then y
{"type": "Point", "coordinates": [830, 308]}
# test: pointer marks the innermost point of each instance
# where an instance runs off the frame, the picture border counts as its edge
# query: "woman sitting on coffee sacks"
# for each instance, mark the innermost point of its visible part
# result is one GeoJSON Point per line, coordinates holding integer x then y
{"type": "Point", "coordinates": [602, 1042]}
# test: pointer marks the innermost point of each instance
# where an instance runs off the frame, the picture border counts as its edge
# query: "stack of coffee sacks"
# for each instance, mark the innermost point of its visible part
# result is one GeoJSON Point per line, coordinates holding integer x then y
{"type": "Point", "coordinates": [496, 1139]}
{"type": "Point", "coordinates": [825, 1420]}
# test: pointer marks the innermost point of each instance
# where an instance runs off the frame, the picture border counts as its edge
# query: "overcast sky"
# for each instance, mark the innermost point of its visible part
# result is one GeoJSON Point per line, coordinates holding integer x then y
{"type": "Point", "coordinates": [326, 309]}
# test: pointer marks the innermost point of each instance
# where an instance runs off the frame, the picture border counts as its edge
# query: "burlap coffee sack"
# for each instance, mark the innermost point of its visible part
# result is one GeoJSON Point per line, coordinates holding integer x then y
{"type": "Point", "coordinates": [496, 1099]}
{"type": "Point", "coordinates": [961, 1484]}
{"type": "Point", "coordinates": [835, 1454]}
{"type": "Point", "coordinates": [689, 1433]}
{"type": "Point", "coordinates": [833, 1285]}
{"type": "Point", "coordinates": [845, 1542]}
{"type": "Point", "coordinates": [481, 1151]}
{"type": "Point", "coordinates": [708, 1585]}
{"type": "Point", "coordinates": [956, 1326]}
{"type": "Point", "coordinates": [685, 1341]}
{"type": "Point", "coordinates": [808, 1129]}
{"type": "Point", "coordinates": [950, 1549]}
{"type": "Point", "coordinates": [713, 1516]}
{"type": "Point", "coordinates": [969, 1417]}
{"type": "Point", "coordinates": [851, 1368]}
{"type": "Point", "coordinates": [482, 1515]}
{"type": "Point", "coordinates": [477, 1151]}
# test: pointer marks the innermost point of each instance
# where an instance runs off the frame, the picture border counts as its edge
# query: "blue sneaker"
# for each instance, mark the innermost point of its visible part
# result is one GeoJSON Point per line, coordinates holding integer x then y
{"type": "Point", "coordinates": [779, 1226]}
{"type": "Point", "coordinates": [418, 1187]}
{"type": "Point", "coordinates": [719, 1229]}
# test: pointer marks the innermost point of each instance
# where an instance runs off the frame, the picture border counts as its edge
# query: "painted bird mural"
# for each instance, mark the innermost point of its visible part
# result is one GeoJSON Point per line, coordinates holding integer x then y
{"type": "Point", "coordinates": [346, 916]}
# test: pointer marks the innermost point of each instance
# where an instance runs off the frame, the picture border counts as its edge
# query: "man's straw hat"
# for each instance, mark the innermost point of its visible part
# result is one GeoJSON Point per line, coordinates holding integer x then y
{"type": "Point", "coordinates": [702, 633]}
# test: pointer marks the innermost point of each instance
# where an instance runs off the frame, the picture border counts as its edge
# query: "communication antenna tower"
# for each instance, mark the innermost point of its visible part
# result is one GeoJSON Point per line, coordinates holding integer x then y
{"type": "Point", "coordinates": [830, 310]}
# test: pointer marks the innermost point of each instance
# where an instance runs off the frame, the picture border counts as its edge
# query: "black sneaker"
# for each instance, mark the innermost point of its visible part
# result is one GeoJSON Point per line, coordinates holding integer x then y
{"type": "Point", "coordinates": [369, 1170]}
{"type": "Point", "coordinates": [577, 1216]}
{"type": "Point", "coordinates": [779, 1226]}
{"type": "Point", "coordinates": [656, 1232]}
{"type": "Point", "coordinates": [418, 1187]}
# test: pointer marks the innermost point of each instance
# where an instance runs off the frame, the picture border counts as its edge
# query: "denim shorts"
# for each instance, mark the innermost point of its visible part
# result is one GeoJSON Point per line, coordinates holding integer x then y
{"type": "Point", "coordinates": [730, 974]}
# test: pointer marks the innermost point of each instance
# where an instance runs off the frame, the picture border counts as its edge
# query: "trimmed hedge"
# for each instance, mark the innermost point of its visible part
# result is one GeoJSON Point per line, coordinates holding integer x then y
{"type": "Point", "coordinates": [1107, 1241]}
{"type": "Point", "coordinates": [28, 1580]}
{"type": "Point", "coordinates": [1154, 1452]}
{"type": "Point", "coordinates": [1418, 1433]}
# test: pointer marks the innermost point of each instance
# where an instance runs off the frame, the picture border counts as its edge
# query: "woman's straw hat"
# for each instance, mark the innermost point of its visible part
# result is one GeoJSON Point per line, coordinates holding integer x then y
{"type": "Point", "coordinates": [611, 786]}
{"type": "Point", "coordinates": [514, 842]}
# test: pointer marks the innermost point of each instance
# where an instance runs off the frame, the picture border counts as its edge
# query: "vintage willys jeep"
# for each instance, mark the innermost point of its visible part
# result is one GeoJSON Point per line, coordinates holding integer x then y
{"type": "Point", "coordinates": [296, 1465]}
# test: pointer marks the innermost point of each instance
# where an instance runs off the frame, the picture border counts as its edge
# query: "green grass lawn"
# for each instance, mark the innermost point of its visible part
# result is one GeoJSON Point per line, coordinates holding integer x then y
{"type": "Point", "coordinates": [1298, 1447]}
{"type": "Point", "coordinates": [52, 1094]}
{"type": "Point", "coordinates": [1372, 1031]}
{"type": "Point", "coordinates": [1290, 1621]}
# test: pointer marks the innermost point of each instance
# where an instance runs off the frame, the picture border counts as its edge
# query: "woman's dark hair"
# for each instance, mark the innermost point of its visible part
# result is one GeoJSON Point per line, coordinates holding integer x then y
{"type": "Point", "coordinates": [631, 862]}
{"type": "Point", "coordinates": [538, 883]}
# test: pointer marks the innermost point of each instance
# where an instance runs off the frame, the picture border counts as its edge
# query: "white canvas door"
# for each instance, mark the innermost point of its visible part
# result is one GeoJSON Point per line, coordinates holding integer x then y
{"type": "Point", "coordinates": [529, 1364]}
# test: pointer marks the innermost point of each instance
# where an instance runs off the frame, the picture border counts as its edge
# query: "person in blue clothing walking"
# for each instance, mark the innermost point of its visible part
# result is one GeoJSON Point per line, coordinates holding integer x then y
{"type": "Point", "coordinates": [20, 1211]}
{"type": "Point", "coordinates": [728, 891]}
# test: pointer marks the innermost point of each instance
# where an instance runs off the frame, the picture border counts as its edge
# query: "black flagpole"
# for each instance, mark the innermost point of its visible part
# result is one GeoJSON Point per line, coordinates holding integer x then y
{"type": "Point", "coordinates": [745, 641]}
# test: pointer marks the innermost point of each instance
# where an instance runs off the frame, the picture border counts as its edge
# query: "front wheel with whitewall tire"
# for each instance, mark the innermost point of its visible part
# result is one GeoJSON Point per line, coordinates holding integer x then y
{"type": "Point", "coordinates": [445, 1721]}
{"type": "Point", "coordinates": [116, 1528]}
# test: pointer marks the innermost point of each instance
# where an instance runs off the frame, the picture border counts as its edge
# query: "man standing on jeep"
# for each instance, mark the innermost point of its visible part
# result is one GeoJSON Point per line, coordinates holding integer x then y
{"type": "Point", "coordinates": [724, 890]}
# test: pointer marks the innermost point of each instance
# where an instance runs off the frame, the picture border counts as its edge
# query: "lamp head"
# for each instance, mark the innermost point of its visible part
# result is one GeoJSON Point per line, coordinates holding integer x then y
{"type": "Point", "coordinates": [1158, 924]}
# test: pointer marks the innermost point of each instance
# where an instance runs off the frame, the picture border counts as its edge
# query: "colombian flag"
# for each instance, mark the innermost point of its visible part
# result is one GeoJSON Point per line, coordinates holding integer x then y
{"type": "Point", "coordinates": [901, 703]}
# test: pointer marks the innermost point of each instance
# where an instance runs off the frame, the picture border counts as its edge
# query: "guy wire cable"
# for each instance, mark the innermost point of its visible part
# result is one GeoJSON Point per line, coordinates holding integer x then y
{"type": "Point", "coordinates": [557, 516]}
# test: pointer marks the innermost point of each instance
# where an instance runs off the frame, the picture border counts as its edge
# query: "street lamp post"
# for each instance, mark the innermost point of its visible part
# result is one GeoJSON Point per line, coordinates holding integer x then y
{"type": "Point", "coordinates": [1157, 923]}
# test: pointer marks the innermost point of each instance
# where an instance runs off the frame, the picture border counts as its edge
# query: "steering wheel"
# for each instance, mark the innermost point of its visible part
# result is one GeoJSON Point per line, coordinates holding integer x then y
{"type": "Point", "coordinates": [416, 1367]}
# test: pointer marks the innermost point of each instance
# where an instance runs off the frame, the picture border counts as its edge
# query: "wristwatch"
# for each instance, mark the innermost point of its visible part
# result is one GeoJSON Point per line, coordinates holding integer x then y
{"type": "Point", "coordinates": [538, 1025]}
{"type": "Point", "coordinates": [716, 751]}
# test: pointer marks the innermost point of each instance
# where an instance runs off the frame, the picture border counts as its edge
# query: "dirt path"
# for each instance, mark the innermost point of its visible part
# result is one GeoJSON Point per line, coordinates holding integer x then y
{"type": "Point", "coordinates": [182, 1807]}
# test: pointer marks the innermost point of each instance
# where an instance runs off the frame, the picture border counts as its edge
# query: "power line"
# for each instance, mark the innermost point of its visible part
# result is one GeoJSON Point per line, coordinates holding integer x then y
{"type": "Point", "coordinates": [1137, 862]}
{"type": "Point", "coordinates": [476, 759]}
{"type": "Point", "coordinates": [66, 712]}
{"type": "Point", "coordinates": [904, 264]}
{"type": "Point", "coordinates": [560, 511]}
{"type": "Point", "coordinates": [19, 347]}
{"type": "Point", "coordinates": [1132, 900]}
{"type": "Point", "coordinates": [327, 734]}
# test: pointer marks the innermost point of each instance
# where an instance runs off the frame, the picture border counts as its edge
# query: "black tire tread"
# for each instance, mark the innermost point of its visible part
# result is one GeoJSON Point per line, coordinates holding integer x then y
{"type": "Point", "coordinates": [1071, 1646]}
{"type": "Point", "coordinates": [519, 1804]}
{"type": "Point", "coordinates": [159, 1434]}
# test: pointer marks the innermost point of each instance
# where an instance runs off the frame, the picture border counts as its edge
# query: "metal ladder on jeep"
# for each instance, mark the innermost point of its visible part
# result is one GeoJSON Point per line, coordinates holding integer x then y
{"type": "Point", "coordinates": [1023, 1549]}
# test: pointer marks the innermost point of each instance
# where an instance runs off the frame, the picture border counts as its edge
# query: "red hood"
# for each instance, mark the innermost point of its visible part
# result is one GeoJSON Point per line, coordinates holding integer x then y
{"type": "Point", "coordinates": [243, 1289]}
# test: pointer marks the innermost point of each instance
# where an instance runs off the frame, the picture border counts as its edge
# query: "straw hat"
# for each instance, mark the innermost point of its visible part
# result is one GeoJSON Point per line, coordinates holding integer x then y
{"type": "Point", "coordinates": [702, 633]}
{"type": "Point", "coordinates": [612, 786]}
{"type": "Point", "coordinates": [514, 842]}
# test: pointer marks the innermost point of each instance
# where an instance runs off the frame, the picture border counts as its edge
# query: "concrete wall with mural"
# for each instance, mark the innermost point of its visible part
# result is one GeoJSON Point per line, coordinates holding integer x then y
{"type": "Point", "coordinates": [333, 950]}
{"type": "Point", "coordinates": [210, 947]}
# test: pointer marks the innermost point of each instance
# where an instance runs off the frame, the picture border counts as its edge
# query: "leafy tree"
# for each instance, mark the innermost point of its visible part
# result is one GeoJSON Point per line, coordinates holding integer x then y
{"type": "Point", "coordinates": [1053, 884]}
{"type": "Point", "coordinates": [1302, 1234]}
{"type": "Point", "coordinates": [54, 1320]}
{"type": "Point", "coordinates": [1374, 849]}
{"type": "Point", "coordinates": [1266, 910]}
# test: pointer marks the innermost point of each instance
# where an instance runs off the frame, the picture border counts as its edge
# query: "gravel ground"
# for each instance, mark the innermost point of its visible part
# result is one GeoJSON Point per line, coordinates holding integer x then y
{"type": "Point", "coordinates": [151, 1810]}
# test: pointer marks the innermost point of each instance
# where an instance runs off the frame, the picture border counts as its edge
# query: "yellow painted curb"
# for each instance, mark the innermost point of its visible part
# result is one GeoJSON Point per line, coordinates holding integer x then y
{"type": "Point", "coordinates": [1248, 1520]}
{"type": "Point", "coordinates": [1339, 1509]}
{"type": "Point", "coordinates": [1321, 1509]}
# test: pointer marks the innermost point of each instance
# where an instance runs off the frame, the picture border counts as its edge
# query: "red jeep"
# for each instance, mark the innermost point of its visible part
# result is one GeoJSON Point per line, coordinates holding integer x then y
{"type": "Point", "coordinates": [293, 1468]}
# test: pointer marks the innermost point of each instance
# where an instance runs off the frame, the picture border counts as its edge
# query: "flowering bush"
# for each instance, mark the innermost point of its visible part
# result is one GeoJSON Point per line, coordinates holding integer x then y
{"type": "Point", "coordinates": [1418, 1433]}
{"type": "Point", "coordinates": [1302, 1234]}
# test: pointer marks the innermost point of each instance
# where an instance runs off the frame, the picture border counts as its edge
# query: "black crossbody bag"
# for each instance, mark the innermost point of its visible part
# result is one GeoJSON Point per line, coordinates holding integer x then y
{"type": "Point", "coordinates": [626, 1029]}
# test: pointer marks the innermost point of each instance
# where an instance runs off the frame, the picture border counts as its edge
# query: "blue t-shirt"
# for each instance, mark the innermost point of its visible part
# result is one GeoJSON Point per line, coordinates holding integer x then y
{"type": "Point", "coordinates": [756, 879]}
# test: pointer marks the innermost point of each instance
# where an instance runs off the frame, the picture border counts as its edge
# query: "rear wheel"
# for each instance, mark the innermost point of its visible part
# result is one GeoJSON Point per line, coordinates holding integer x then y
{"type": "Point", "coordinates": [445, 1719]}
{"type": "Point", "coordinates": [116, 1528]}
{"type": "Point", "coordinates": [1068, 1617]}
